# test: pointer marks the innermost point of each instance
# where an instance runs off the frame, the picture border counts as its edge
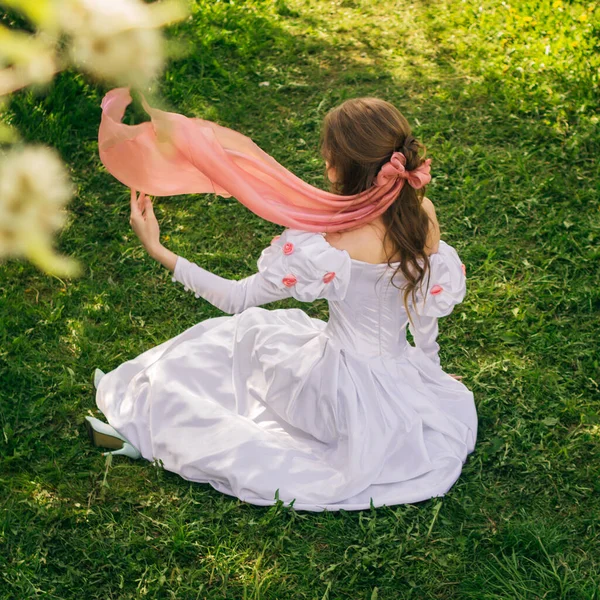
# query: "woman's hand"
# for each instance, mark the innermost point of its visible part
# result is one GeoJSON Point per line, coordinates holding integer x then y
{"type": "Point", "coordinates": [145, 226]}
{"type": "Point", "coordinates": [457, 377]}
{"type": "Point", "coordinates": [144, 223]}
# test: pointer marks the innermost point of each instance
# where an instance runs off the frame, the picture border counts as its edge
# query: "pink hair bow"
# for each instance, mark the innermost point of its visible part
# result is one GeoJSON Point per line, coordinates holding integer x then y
{"type": "Point", "coordinates": [416, 178]}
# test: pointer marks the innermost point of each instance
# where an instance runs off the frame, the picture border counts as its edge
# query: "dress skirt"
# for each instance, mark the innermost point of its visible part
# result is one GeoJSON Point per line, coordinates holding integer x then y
{"type": "Point", "coordinates": [264, 404]}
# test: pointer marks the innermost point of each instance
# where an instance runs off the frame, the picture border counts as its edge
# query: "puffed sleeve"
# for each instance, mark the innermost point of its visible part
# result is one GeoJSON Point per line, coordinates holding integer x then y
{"type": "Point", "coordinates": [447, 288]}
{"type": "Point", "coordinates": [447, 283]}
{"type": "Point", "coordinates": [307, 265]}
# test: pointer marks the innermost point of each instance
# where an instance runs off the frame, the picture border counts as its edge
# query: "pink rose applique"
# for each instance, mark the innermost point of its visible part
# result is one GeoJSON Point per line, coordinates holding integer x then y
{"type": "Point", "coordinates": [289, 281]}
{"type": "Point", "coordinates": [288, 248]}
{"type": "Point", "coordinates": [328, 277]}
{"type": "Point", "coordinates": [436, 289]}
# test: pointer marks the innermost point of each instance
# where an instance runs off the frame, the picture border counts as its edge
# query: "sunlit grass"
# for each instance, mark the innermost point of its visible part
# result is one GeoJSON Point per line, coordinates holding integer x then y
{"type": "Point", "coordinates": [515, 171]}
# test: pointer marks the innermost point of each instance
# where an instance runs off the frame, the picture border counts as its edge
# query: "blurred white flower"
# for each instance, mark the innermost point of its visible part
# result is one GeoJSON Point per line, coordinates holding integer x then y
{"type": "Point", "coordinates": [34, 189]}
{"type": "Point", "coordinates": [41, 68]}
{"type": "Point", "coordinates": [131, 57]}
{"type": "Point", "coordinates": [117, 40]}
{"type": "Point", "coordinates": [25, 59]}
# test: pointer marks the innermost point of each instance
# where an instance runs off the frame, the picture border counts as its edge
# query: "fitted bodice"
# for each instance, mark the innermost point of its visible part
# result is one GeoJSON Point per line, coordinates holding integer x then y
{"type": "Point", "coordinates": [366, 311]}
{"type": "Point", "coordinates": [371, 319]}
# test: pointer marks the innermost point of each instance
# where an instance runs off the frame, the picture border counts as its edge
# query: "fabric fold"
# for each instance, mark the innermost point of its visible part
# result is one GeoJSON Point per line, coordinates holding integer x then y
{"type": "Point", "coordinates": [173, 154]}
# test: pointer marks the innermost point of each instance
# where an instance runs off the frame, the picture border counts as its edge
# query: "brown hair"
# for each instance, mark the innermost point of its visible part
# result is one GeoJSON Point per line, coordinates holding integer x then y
{"type": "Point", "coordinates": [357, 139]}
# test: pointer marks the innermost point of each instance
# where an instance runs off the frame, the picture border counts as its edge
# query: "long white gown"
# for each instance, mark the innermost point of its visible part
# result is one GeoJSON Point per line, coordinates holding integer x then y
{"type": "Point", "coordinates": [274, 403]}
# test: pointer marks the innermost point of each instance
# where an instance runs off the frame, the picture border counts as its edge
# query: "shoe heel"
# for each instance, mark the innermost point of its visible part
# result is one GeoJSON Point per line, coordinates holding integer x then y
{"type": "Point", "coordinates": [101, 439]}
{"type": "Point", "coordinates": [103, 434]}
{"type": "Point", "coordinates": [126, 450]}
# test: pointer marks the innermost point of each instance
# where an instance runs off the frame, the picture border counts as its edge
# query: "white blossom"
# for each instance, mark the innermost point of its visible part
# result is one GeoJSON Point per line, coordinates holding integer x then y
{"type": "Point", "coordinates": [114, 39]}
{"type": "Point", "coordinates": [34, 189]}
{"type": "Point", "coordinates": [41, 68]}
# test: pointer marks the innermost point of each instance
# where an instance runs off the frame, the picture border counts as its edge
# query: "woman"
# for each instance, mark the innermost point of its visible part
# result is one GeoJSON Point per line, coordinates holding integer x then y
{"type": "Point", "coordinates": [273, 404]}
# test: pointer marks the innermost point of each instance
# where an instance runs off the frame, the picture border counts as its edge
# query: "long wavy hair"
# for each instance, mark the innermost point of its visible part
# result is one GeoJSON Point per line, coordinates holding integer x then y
{"type": "Point", "coordinates": [358, 137]}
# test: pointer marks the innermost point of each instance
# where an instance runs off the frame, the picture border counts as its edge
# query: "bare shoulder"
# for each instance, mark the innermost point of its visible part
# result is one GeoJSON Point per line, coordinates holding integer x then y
{"type": "Point", "coordinates": [345, 240]}
{"type": "Point", "coordinates": [433, 236]}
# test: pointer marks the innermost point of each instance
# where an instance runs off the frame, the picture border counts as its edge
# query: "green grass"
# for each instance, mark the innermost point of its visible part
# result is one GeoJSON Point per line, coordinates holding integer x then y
{"type": "Point", "coordinates": [512, 129]}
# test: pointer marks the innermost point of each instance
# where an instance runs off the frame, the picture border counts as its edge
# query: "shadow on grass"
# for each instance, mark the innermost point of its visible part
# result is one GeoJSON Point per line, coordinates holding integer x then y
{"type": "Point", "coordinates": [517, 210]}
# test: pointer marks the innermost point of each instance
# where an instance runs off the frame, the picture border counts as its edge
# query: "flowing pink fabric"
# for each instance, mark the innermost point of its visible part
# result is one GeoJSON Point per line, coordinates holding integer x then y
{"type": "Point", "coordinates": [173, 154]}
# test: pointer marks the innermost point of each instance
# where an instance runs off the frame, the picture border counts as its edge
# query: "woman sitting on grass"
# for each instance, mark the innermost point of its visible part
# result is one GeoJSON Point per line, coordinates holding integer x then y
{"type": "Point", "coordinates": [269, 404]}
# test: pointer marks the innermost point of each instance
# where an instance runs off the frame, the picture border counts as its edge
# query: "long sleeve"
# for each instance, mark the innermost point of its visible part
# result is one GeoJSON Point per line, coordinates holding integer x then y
{"type": "Point", "coordinates": [425, 334]}
{"type": "Point", "coordinates": [229, 295]}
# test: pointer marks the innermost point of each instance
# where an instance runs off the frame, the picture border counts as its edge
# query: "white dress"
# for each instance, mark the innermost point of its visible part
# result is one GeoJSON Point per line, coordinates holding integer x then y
{"type": "Point", "coordinates": [268, 404]}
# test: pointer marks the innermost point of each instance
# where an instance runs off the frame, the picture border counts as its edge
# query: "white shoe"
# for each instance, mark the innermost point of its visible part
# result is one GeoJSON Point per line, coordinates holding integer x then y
{"type": "Point", "coordinates": [126, 450]}
{"type": "Point", "coordinates": [98, 375]}
{"type": "Point", "coordinates": [103, 434]}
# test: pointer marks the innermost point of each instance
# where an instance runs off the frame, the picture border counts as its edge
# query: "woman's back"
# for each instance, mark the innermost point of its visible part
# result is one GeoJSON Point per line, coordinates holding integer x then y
{"type": "Point", "coordinates": [372, 318]}
{"type": "Point", "coordinates": [367, 315]}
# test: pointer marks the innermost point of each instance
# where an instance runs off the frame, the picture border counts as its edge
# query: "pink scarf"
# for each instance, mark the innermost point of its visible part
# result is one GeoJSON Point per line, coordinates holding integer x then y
{"type": "Point", "coordinates": [172, 154]}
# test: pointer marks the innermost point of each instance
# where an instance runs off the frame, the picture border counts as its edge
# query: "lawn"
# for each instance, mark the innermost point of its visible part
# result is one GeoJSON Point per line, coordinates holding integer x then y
{"type": "Point", "coordinates": [506, 98]}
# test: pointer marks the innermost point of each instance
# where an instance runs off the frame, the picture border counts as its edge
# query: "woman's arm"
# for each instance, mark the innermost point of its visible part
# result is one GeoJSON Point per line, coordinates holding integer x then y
{"type": "Point", "coordinates": [425, 332]}
{"type": "Point", "coordinates": [229, 295]}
